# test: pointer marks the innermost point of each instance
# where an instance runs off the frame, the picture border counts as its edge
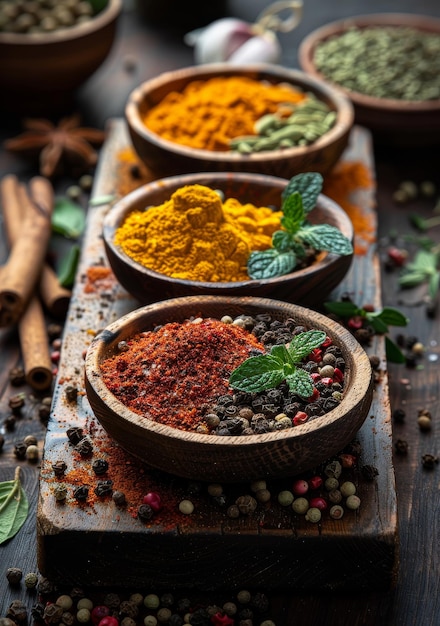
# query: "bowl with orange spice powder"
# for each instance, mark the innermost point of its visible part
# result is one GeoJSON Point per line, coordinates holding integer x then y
{"type": "Point", "coordinates": [216, 117]}
{"type": "Point", "coordinates": [193, 234]}
{"type": "Point", "coordinates": [159, 381]}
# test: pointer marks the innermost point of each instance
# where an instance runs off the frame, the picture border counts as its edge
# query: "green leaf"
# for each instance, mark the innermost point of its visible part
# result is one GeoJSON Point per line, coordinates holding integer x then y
{"type": "Point", "coordinates": [14, 507]}
{"type": "Point", "coordinates": [301, 383]}
{"type": "Point", "coordinates": [303, 343]}
{"type": "Point", "coordinates": [68, 218]}
{"type": "Point", "coordinates": [412, 279]}
{"type": "Point", "coordinates": [434, 285]}
{"type": "Point", "coordinates": [326, 237]}
{"type": "Point", "coordinates": [393, 352]}
{"type": "Point", "coordinates": [270, 263]}
{"type": "Point", "coordinates": [282, 241]}
{"type": "Point", "coordinates": [258, 374]}
{"type": "Point", "coordinates": [68, 267]}
{"type": "Point", "coordinates": [293, 213]}
{"type": "Point", "coordinates": [344, 309]}
{"type": "Point", "coordinates": [425, 261]}
{"type": "Point", "coordinates": [308, 185]}
{"type": "Point", "coordinates": [99, 200]}
{"type": "Point", "coordinates": [378, 325]}
{"type": "Point", "coordinates": [418, 222]}
{"type": "Point", "coordinates": [390, 316]}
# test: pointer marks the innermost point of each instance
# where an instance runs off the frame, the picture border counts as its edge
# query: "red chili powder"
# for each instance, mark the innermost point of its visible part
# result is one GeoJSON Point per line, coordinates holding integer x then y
{"type": "Point", "coordinates": [172, 375]}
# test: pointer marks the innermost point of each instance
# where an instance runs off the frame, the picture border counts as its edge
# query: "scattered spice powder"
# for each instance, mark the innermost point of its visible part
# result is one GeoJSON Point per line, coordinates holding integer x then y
{"type": "Point", "coordinates": [346, 178]}
{"type": "Point", "coordinates": [99, 277]}
{"type": "Point", "coordinates": [147, 377]}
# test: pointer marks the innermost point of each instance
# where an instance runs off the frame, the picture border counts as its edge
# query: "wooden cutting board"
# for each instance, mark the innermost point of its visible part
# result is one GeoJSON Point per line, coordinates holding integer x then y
{"type": "Point", "coordinates": [98, 543]}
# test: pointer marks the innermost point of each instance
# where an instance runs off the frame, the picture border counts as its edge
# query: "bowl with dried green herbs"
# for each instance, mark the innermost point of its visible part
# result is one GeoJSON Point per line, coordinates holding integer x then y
{"type": "Point", "coordinates": [230, 234]}
{"type": "Point", "coordinates": [388, 65]}
{"type": "Point", "coordinates": [252, 118]}
{"type": "Point", "coordinates": [228, 389]}
{"type": "Point", "coordinates": [49, 49]}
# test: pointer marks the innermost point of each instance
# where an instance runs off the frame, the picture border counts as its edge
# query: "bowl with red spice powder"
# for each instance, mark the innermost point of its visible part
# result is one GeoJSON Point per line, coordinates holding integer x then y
{"type": "Point", "coordinates": [159, 381]}
{"type": "Point", "coordinates": [208, 118]}
{"type": "Point", "coordinates": [308, 284]}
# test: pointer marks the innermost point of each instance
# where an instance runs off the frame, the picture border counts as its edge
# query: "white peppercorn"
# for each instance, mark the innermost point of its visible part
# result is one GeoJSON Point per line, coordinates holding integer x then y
{"type": "Point", "coordinates": [300, 505]}
{"type": "Point", "coordinates": [336, 511]}
{"type": "Point", "coordinates": [347, 488]}
{"type": "Point", "coordinates": [186, 507]}
{"type": "Point", "coordinates": [353, 502]}
{"type": "Point", "coordinates": [150, 620]}
{"type": "Point", "coordinates": [84, 603]}
{"type": "Point", "coordinates": [83, 616]}
{"type": "Point", "coordinates": [285, 498]}
{"type": "Point", "coordinates": [151, 601]}
{"type": "Point", "coordinates": [31, 580]}
{"type": "Point", "coordinates": [313, 515]}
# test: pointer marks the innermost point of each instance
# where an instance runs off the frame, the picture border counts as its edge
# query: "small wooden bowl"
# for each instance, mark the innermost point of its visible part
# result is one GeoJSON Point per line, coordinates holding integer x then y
{"type": "Point", "coordinates": [165, 158]}
{"type": "Point", "coordinates": [404, 122]}
{"type": "Point", "coordinates": [308, 286]}
{"type": "Point", "coordinates": [39, 72]}
{"type": "Point", "coordinates": [229, 459]}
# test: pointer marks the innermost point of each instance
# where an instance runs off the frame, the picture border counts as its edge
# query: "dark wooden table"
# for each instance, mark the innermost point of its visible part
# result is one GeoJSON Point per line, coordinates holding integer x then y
{"type": "Point", "coordinates": [415, 599]}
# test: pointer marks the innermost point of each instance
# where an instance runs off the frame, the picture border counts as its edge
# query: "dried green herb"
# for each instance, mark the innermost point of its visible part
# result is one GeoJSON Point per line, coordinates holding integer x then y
{"type": "Point", "coordinates": [266, 371]}
{"type": "Point", "coordinates": [298, 235]}
{"type": "Point", "coordinates": [423, 269]}
{"type": "Point", "coordinates": [14, 507]}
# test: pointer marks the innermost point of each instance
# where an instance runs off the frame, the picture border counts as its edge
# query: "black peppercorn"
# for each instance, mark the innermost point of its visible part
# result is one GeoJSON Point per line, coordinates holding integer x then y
{"type": "Point", "coordinates": [16, 403]}
{"type": "Point", "coordinates": [145, 512]}
{"type": "Point", "coordinates": [260, 602]}
{"type": "Point", "coordinates": [59, 467]}
{"type": "Point", "coordinates": [100, 466]}
{"type": "Point", "coordinates": [53, 613]}
{"type": "Point", "coordinates": [81, 493]}
{"type": "Point", "coordinates": [71, 393]}
{"type": "Point", "coordinates": [20, 450]}
{"type": "Point", "coordinates": [75, 434]}
{"type": "Point", "coordinates": [84, 447]}
{"type": "Point", "coordinates": [112, 601]}
{"type": "Point", "coordinates": [14, 575]}
{"type": "Point", "coordinates": [399, 416]}
{"type": "Point", "coordinates": [17, 611]}
{"type": "Point", "coordinates": [429, 461]}
{"type": "Point", "coordinates": [104, 488]}
{"type": "Point", "coordinates": [369, 472]}
{"type": "Point", "coordinates": [401, 446]}
{"type": "Point", "coordinates": [37, 612]}
{"type": "Point", "coordinates": [17, 376]}
{"type": "Point", "coordinates": [119, 498]}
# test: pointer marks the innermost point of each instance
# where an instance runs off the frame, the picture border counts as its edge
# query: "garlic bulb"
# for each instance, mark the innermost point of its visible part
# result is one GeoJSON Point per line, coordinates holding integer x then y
{"type": "Point", "coordinates": [234, 41]}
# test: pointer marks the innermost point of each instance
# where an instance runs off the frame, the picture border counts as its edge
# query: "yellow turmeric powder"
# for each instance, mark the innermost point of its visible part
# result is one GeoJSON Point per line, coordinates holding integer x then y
{"type": "Point", "coordinates": [196, 236]}
{"type": "Point", "coordinates": [207, 114]}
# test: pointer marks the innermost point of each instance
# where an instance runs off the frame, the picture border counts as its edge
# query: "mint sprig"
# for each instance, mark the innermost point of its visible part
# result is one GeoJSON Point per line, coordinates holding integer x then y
{"type": "Point", "coordinates": [380, 321]}
{"type": "Point", "coordinates": [423, 269]}
{"type": "Point", "coordinates": [267, 371]}
{"type": "Point", "coordinates": [298, 235]}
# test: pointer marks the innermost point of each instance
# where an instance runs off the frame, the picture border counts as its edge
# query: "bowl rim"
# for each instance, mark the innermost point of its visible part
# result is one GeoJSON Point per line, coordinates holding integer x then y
{"type": "Point", "coordinates": [419, 22]}
{"type": "Point", "coordinates": [105, 17]}
{"type": "Point", "coordinates": [122, 208]}
{"type": "Point", "coordinates": [344, 338]}
{"type": "Point", "coordinates": [282, 74]}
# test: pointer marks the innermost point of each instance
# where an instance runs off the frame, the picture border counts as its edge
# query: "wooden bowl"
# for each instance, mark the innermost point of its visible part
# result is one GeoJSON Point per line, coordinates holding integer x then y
{"type": "Point", "coordinates": [165, 158]}
{"type": "Point", "coordinates": [232, 458]}
{"type": "Point", "coordinates": [39, 72]}
{"type": "Point", "coordinates": [406, 122]}
{"type": "Point", "coordinates": [308, 286]}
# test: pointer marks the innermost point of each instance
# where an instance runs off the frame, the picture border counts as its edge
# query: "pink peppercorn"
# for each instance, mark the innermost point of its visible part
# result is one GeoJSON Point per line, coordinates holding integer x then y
{"type": "Point", "coordinates": [300, 487]}
{"type": "Point", "coordinates": [327, 381]}
{"type": "Point", "coordinates": [315, 377]}
{"type": "Point", "coordinates": [300, 418]}
{"type": "Point", "coordinates": [327, 342]}
{"type": "Point", "coordinates": [338, 376]}
{"type": "Point", "coordinates": [220, 619]}
{"type": "Point", "coordinates": [98, 613]}
{"type": "Point", "coordinates": [315, 395]}
{"type": "Point", "coordinates": [153, 500]}
{"type": "Point", "coordinates": [316, 355]}
{"type": "Point", "coordinates": [315, 482]}
{"type": "Point", "coordinates": [109, 621]}
{"type": "Point", "coordinates": [318, 503]}
{"type": "Point", "coordinates": [348, 460]}
{"type": "Point", "coordinates": [355, 322]}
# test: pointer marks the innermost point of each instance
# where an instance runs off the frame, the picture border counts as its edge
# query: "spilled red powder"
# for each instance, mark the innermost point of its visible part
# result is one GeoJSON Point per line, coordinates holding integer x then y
{"type": "Point", "coordinates": [171, 375]}
{"type": "Point", "coordinates": [99, 277]}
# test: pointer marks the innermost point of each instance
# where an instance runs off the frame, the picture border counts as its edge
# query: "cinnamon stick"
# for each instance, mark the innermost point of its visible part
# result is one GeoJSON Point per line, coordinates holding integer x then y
{"type": "Point", "coordinates": [32, 324]}
{"type": "Point", "coordinates": [22, 271]}
{"type": "Point", "coordinates": [32, 331]}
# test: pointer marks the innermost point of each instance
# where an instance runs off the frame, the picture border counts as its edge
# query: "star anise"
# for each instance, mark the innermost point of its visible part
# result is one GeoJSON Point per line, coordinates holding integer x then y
{"type": "Point", "coordinates": [66, 148]}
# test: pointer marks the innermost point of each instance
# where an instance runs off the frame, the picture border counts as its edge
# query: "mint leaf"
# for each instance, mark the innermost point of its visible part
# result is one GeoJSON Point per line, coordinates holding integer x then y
{"type": "Point", "coordinates": [303, 344]}
{"type": "Point", "coordinates": [68, 267]}
{"type": "Point", "coordinates": [293, 213]}
{"type": "Point", "coordinates": [300, 382]}
{"type": "Point", "coordinates": [308, 185]}
{"type": "Point", "coordinates": [282, 241]}
{"type": "Point", "coordinates": [270, 263]}
{"type": "Point", "coordinates": [326, 237]}
{"type": "Point", "coordinates": [258, 373]}
{"type": "Point", "coordinates": [267, 371]}
{"type": "Point", "coordinates": [393, 352]}
{"type": "Point", "coordinates": [390, 316]}
{"type": "Point", "coordinates": [343, 309]}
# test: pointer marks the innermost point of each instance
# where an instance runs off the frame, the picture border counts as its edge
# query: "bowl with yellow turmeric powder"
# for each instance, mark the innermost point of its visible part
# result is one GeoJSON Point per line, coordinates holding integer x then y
{"type": "Point", "coordinates": [229, 234]}
{"type": "Point", "coordinates": [216, 117]}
